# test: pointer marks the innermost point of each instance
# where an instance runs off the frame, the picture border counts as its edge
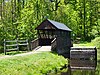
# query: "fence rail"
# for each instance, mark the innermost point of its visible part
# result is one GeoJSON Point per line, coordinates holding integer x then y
{"type": "Point", "coordinates": [13, 45]}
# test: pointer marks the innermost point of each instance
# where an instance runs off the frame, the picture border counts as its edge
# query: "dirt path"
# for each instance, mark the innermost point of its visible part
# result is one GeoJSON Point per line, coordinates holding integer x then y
{"type": "Point", "coordinates": [37, 50]}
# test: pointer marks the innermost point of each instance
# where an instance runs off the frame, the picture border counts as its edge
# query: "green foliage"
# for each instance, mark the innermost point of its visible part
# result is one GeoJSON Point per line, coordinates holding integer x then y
{"type": "Point", "coordinates": [18, 18]}
{"type": "Point", "coordinates": [96, 42]}
{"type": "Point", "coordinates": [36, 64]}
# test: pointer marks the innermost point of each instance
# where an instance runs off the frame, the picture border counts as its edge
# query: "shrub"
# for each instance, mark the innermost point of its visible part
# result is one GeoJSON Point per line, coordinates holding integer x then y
{"type": "Point", "coordinates": [96, 42]}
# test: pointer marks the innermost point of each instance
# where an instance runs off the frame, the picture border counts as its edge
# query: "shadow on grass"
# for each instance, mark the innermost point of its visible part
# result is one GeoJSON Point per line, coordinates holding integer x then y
{"type": "Point", "coordinates": [16, 52]}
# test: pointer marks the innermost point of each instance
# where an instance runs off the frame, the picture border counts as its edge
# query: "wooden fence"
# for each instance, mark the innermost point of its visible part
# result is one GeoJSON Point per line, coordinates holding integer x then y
{"type": "Point", "coordinates": [23, 43]}
{"type": "Point", "coordinates": [13, 45]}
{"type": "Point", "coordinates": [83, 58]}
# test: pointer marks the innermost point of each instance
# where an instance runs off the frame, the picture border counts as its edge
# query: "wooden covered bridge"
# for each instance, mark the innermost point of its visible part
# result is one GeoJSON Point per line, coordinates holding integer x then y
{"type": "Point", "coordinates": [58, 36]}
{"type": "Point", "coordinates": [54, 34]}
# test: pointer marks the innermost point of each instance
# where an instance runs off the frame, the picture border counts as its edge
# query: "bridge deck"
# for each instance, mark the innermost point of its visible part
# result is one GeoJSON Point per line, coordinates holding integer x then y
{"type": "Point", "coordinates": [43, 49]}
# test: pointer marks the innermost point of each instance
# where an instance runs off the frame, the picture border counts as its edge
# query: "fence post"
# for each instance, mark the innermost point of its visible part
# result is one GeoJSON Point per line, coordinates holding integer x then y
{"type": "Point", "coordinates": [4, 46]}
{"type": "Point", "coordinates": [17, 44]}
{"type": "Point", "coordinates": [31, 45]}
{"type": "Point", "coordinates": [27, 44]}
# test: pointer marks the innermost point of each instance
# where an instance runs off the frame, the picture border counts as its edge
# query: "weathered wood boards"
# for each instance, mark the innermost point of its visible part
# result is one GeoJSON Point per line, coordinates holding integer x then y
{"type": "Point", "coordinates": [83, 58]}
{"type": "Point", "coordinates": [13, 45]}
{"type": "Point", "coordinates": [54, 44]}
{"type": "Point", "coordinates": [34, 44]}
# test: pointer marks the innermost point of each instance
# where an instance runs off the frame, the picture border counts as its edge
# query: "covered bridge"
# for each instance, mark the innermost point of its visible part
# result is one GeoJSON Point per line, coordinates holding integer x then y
{"type": "Point", "coordinates": [55, 34]}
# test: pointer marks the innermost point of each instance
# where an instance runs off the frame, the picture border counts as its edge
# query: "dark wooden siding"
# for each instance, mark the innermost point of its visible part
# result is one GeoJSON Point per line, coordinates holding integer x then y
{"type": "Point", "coordinates": [63, 42]}
{"type": "Point", "coordinates": [45, 25]}
{"type": "Point", "coordinates": [83, 58]}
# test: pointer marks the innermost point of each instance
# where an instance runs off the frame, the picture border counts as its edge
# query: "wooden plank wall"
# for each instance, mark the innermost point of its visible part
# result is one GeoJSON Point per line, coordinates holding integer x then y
{"type": "Point", "coordinates": [83, 58]}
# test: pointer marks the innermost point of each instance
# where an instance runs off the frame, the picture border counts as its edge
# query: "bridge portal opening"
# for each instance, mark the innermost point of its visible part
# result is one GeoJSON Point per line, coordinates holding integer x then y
{"type": "Point", "coordinates": [46, 37]}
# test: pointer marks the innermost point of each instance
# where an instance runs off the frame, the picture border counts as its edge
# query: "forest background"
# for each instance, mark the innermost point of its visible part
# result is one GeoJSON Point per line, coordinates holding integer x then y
{"type": "Point", "coordinates": [18, 18]}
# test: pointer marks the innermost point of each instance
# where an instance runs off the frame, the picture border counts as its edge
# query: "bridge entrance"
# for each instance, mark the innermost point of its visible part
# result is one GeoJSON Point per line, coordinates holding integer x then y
{"type": "Point", "coordinates": [46, 37]}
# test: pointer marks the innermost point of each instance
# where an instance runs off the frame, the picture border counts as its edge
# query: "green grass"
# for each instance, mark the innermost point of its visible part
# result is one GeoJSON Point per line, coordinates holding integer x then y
{"type": "Point", "coordinates": [13, 53]}
{"type": "Point", "coordinates": [84, 44]}
{"type": "Point", "coordinates": [34, 64]}
{"type": "Point", "coordinates": [94, 42]}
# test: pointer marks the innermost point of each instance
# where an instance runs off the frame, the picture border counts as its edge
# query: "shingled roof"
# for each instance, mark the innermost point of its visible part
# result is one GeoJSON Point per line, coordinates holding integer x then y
{"type": "Point", "coordinates": [59, 25]}
{"type": "Point", "coordinates": [56, 25]}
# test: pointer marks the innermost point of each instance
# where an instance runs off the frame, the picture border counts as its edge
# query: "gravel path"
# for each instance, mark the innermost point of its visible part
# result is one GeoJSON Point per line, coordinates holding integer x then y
{"type": "Point", "coordinates": [37, 50]}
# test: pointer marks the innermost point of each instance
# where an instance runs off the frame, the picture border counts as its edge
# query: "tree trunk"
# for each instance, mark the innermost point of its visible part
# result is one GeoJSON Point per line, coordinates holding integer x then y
{"type": "Point", "coordinates": [84, 20]}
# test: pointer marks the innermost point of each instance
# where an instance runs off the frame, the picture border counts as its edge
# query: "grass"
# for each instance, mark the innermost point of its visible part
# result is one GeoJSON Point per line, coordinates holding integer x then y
{"type": "Point", "coordinates": [34, 64]}
{"type": "Point", "coordinates": [94, 42]}
{"type": "Point", "coordinates": [16, 52]}
{"type": "Point", "coordinates": [84, 44]}
{"type": "Point", "coordinates": [13, 53]}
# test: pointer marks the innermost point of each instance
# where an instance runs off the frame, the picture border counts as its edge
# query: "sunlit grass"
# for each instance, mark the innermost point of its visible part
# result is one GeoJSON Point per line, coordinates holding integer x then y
{"type": "Point", "coordinates": [34, 64]}
{"type": "Point", "coordinates": [84, 44]}
{"type": "Point", "coordinates": [13, 53]}
{"type": "Point", "coordinates": [16, 52]}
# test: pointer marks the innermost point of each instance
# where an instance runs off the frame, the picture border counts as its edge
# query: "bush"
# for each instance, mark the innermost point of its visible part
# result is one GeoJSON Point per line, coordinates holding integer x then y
{"type": "Point", "coordinates": [96, 42]}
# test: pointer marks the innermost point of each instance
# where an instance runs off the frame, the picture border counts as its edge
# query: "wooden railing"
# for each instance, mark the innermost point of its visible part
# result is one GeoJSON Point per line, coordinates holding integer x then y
{"type": "Point", "coordinates": [53, 44]}
{"type": "Point", "coordinates": [83, 58]}
{"type": "Point", "coordinates": [13, 45]}
{"type": "Point", "coordinates": [10, 45]}
{"type": "Point", "coordinates": [34, 43]}
{"type": "Point", "coordinates": [24, 43]}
